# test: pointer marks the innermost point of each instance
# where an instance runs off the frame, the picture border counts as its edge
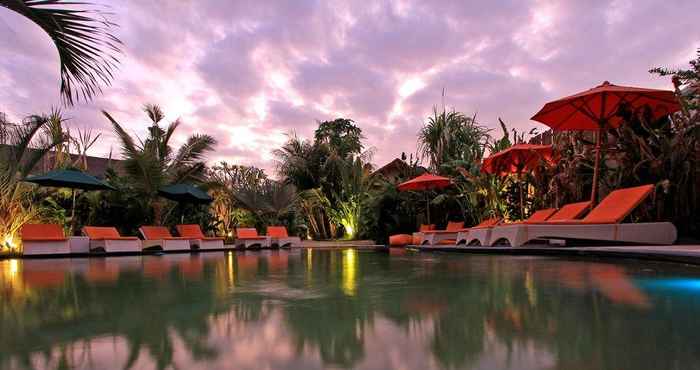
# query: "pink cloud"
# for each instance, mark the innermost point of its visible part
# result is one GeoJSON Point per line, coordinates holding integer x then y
{"type": "Point", "coordinates": [247, 72]}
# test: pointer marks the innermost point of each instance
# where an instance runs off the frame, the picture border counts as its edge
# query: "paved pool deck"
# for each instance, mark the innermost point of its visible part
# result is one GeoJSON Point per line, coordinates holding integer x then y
{"type": "Point", "coordinates": [688, 254]}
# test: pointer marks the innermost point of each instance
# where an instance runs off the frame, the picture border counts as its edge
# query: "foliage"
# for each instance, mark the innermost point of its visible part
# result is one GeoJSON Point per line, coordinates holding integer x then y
{"type": "Point", "coordinates": [83, 37]}
{"type": "Point", "coordinates": [330, 174]}
{"type": "Point", "coordinates": [245, 196]}
{"type": "Point", "coordinates": [152, 163]}
{"type": "Point", "coordinates": [451, 136]}
{"type": "Point", "coordinates": [27, 146]}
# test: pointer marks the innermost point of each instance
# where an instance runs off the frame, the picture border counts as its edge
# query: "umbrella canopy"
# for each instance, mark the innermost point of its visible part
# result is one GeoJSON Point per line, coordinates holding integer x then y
{"type": "Point", "coordinates": [597, 109]}
{"type": "Point", "coordinates": [591, 109]}
{"type": "Point", "coordinates": [185, 193]}
{"type": "Point", "coordinates": [71, 179]}
{"type": "Point", "coordinates": [425, 181]}
{"type": "Point", "coordinates": [516, 159]}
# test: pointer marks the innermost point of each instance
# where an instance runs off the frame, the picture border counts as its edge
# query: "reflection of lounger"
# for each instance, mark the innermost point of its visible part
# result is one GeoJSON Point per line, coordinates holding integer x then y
{"type": "Point", "coordinates": [107, 239]}
{"type": "Point", "coordinates": [40, 239]}
{"type": "Point", "coordinates": [482, 235]}
{"type": "Point", "coordinates": [601, 224]}
{"type": "Point", "coordinates": [279, 237]}
{"type": "Point", "coordinates": [155, 237]}
{"type": "Point", "coordinates": [197, 237]}
{"type": "Point", "coordinates": [249, 238]}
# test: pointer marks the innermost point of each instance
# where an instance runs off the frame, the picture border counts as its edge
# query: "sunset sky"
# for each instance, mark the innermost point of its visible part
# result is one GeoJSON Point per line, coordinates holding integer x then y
{"type": "Point", "coordinates": [249, 72]}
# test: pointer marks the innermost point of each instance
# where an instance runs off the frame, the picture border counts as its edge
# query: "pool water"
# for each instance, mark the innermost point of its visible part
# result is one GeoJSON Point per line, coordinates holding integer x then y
{"type": "Point", "coordinates": [347, 309]}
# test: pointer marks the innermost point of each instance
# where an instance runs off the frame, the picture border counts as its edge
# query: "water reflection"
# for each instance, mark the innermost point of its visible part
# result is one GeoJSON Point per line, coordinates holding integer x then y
{"type": "Point", "coordinates": [347, 309]}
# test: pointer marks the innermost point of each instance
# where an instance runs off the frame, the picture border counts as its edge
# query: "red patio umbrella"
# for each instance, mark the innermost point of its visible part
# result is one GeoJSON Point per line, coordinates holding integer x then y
{"type": "Point", "coordinates": [424, 182]}
{"type": "Point", "coordinates": [596, 110]}
{"type": "Point", "coordinates": [517, 159]}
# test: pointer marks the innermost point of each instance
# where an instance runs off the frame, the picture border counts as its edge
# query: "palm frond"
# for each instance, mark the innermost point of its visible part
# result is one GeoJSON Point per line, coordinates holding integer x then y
{"type": "Point", "coordinates": [83, 37]}
{"type": "Point", "coordinates": [194, 150]}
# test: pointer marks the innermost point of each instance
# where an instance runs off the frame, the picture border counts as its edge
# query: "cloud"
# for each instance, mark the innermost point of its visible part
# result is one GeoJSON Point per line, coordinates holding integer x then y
{"type": "Point", "coordinates": [248, 72]}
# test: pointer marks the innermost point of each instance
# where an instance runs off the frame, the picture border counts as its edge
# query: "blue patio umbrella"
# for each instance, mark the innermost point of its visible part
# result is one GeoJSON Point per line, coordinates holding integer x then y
{"type": "Point", "coordinates": [185, 193]}
{"type": "Point", "coordinates": [71, 179]}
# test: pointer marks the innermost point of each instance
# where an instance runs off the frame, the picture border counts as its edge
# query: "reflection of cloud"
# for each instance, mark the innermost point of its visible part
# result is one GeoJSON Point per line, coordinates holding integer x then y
{"type": "Point", "coordinates": [246, 72]}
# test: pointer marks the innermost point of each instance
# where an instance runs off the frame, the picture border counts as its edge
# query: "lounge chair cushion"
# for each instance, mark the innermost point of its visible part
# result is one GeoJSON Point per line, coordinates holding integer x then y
{"type": "Point", "coordinates": [158, 233]}
{"type": "Point", "coordinates": [571, 211]}
{"type": "Point", "coordinates": [193, 231]}
{"type": "Point", "coordinates": [542, 215]}
{"type": "Point", "coordinates": [248, 233]}
{"type": "Point", "coordinates": [455, 226]}
{"type": "Point", "coordinates": [489, 222]}
{"type": "Point", "coordinates": [42, 232]}
{"type": "Point", "coordinates": [425, 227]}
{"type": "Point", "coordinates": [105, 233]}
{"type": "Point", "coordinates": [277, 232]}
{"type": "Point", "coordinates": [400, 240]}
{"type": "Point", "coordinates": [615, 207]}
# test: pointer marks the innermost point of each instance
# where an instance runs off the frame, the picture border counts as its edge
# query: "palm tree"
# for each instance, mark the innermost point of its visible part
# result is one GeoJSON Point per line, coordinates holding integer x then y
{"type": "Point", "coordinates": [152, 163]}
{"type": "Point", "coordinates": [451, 136]}
{"type": "Point", "coordinates": [26, 147]}
{"type": "Point", "coordinates": [83, 37]}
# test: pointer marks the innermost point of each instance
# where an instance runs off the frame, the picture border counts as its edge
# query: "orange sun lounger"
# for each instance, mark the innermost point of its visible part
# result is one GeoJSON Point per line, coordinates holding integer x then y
{"type": "Point", "coordinates": [247, 237]}
{"type": "Point", "coordinates": [197, 237]}
{"type": "Point", "coordinates": [402, 240]}
{"type": "Point", "coordinates": [280, 238]}
{"type": "Point", "coordinates": [38, 239]}
{"type": "Point", "coordinates": [603, 223]}
{"type": "Point", "coordinates": [478, 236]}
{"type": "Point", "coordinates": [107, 239]}
{"type": "Point", "coordinates": [453, 232]}
{"type": "Point", "coordinates": [158, 237]}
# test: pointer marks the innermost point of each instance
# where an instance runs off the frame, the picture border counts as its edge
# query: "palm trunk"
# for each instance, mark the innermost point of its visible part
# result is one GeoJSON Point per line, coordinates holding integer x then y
{"type": "Point", "coordinates": [157, 212]}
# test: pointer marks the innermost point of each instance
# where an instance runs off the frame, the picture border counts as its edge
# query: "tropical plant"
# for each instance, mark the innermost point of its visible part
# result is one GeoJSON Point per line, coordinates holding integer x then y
{"type": "Point", "coordinates": [17, 203]}
{"type": "Point", "coordinates": [152, 163]}
{"type": "Point", "coordinates": [319, 170]}
{"type": "Point", "coordinates": [83, 37]}
{"type": "Point", "coordinates": [451, 136]}
{"type": "Point", "coordinates": [355, 185]}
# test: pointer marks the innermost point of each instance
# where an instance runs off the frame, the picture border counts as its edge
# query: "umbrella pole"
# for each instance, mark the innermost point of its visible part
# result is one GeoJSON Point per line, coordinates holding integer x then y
{"type": "Point", "coordinates": [520, 188]}
{"type": "Point", "coordinates": [72, 212]}
{"type": "Point", "coordinates": [427, 207]}
{"type": "Point", "coordinates": [596, 169]}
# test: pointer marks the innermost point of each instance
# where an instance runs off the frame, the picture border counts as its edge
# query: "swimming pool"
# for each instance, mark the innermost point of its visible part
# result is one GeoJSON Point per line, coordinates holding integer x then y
{"type": "Point", "coordinates": [314, 309]}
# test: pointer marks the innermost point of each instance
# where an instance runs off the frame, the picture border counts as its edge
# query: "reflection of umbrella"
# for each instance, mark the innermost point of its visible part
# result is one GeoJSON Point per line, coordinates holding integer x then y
{"type": "Point", "coordinates": [424, 182]}
{"type": "Point", "coordinates": [517, 159]}
{"type": "Point", "coordinates": [597, 109]}
{"type": "Point", "coordinates": [185, 193]}
{"type": "Point", "coordinates": [72, 179]}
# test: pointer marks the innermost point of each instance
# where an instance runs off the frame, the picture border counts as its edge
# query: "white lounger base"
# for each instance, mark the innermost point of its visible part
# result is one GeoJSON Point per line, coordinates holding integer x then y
{"type": "Point", "coordinates": [292, 241]}
{"type": "Point", "coordinates": [642, 233]}
{"type": "Point", "coordinates": [250, 243]}
{"type": "Point", "coordinates": [116, 246]}
{"type": "Point", "coordinates": [36, 248]}
{"type": "Point", "coordinates": [168, 244]}
{"type": "Point", "coordinates": [435, 238]}
{"type": "Point", "coordinates": [204, 244]}
{"type": "Point", "coordinates": [480, 236]}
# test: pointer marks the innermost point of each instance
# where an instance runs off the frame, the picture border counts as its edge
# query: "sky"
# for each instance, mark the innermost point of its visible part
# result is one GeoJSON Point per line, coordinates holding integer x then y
{"type": "Point", "coordinates": [250, 72]}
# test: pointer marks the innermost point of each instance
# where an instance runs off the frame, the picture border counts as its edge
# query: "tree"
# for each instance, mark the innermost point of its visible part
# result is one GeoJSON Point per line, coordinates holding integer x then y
{"type": "Point", "coordinates": [152, 163]}
{"type": "Point", "coordinates": [83, 37]}
{"type": "Point", "coordinates": [451, 136]}
{"type": "Point", "coordinates": [341, 135]}
{"type": "Point", "coordinates": [27, 146]}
